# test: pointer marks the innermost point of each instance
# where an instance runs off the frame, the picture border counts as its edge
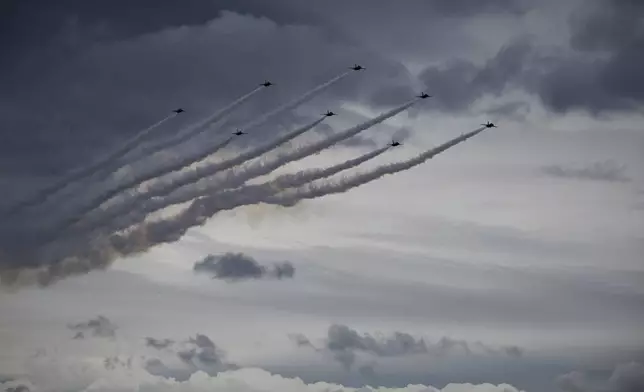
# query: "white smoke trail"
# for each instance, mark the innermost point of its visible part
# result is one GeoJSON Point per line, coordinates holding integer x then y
{"type": "Point", "coordinates": [312, 192]}
{"type": "Point", "coordinates": [200, 210]}
{"type": "Point", "coordinates": [164, 188]}
{"type": "Point", "coordinates": [235, 179]}
{"type": "Point", "coordinates": [139, 178]}
{"type": "Point", "coordinates": [192, 131]}
{"type": "Point", "coordinates": [130, 183]}
{"type": "Point", "coordinates": [82, 254]}
{"type": "Point", "coordinates": [272, 187]}
{"type": "Point", "coordinates": [87, 171]}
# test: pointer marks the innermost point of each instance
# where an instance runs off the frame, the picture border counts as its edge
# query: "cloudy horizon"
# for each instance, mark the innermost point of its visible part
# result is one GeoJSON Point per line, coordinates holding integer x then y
{"type": "Point", "coordinates": [143, 249]}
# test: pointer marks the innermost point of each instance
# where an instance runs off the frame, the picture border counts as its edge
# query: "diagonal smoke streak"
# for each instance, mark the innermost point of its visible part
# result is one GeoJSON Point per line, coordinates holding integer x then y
{"type": "Point", "coordinates": [194, 130]}
{"type": "Point", "coordinates": [165, 187]}
{"type": "Point", "coordinates": [315, 191]}
{"type": "Point", "coordinates": [87, 171]}
{"type": "Point", "coordinates": [172, 229]}
{"type": "Point", "coordinates": [139, 178]}
{"type": "Point", "coordinates": [272, 187]}
{"type": "Point", "coordinates": [235, 179]}
{"type": "Point", "coordinates": [135, 181]}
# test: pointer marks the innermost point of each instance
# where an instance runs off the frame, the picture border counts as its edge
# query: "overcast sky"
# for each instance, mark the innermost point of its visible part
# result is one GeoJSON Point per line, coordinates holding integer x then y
{"type": "Point", "coordinates": [511, 262]}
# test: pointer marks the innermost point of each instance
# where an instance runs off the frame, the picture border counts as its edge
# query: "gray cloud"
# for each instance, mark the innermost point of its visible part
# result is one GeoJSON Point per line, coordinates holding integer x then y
{"type": "Point", "coordinates": [158, 344]}
{"type": "Point", "coordinates": [238, 266]}
{"type": "Point", "coordinates": [194, 354]}
{"type": "Point", "coordinates": [626, 377]}
{"type": "Point", "coordinates": [344, 343]}
{"type": "Point", "coordinates": [100, 326]}
{"type": "Point", "coordinates": [458, 83]}
{"type": "Point", "coordinates": [608, 170]}
{"type": "Point", "coordinates": [599, 74]}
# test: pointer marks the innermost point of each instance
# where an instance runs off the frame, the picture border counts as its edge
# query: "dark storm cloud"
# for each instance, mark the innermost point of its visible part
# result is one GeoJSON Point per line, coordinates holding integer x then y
{"type": "Point", "coordinates": [68, 65]}
{"type": "Point", "coordinates": [458, 83]}
{"type": "Point", "coordinates": [626, 377]}
{"type": "Point", "coordinates": [601, 73]}
{"type": "Point", "coordinates": [238, 266]}
{"type": "Point", "coordinates": [100, 326]}
{"type": "Point", "coordinates": [609, 171]}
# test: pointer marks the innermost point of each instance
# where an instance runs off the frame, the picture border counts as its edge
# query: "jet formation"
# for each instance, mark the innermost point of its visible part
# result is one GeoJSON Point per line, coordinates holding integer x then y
{"type": "Point", "coordinates": [74, 229]}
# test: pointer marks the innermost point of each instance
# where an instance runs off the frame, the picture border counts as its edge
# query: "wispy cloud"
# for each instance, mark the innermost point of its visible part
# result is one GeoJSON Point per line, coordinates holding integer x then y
{"type": "Point", "coordinates": [608, 170]}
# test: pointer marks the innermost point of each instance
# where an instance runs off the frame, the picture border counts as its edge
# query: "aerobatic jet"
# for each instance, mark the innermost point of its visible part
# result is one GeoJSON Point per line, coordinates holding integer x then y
{"type": "Point", "coordinates": [357, 67]}
{"type": "Point", "coordinates": [178, 110]}
{"type": "Point", "coordinates": [489, 125]}
{"type": "Point", "coordinates": [329, 113]}
{"type": "Point", "coordinates": [395, 143]}
{"type": "Point", "coordinates": [423, 95]}
{"type": "Point", "coordinates": [239, 132]}
{"type": "Point", "coordinates": [267, 83]}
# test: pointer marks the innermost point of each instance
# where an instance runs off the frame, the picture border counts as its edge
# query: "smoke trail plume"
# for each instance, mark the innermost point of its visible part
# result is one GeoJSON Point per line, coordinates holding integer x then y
{"type": "Point", "coordinates": [312, 191]}
{"type": "Point", "coordinates": [261, 191]}
{"type": "Point", "coordinates": [130, 183]}
{"type": "Point", "coordinates": [164, 187]}
{"type": "Point", "coordinates": [193, 131]}
{"type": "Point", "coordinates": [87, 171]}
{"type": "Point", "coordinates": [235, 179]}
{"type": "Point", "coordinates": [142, 177]}
{"type": "Point", "coordinates": [81, 256]}
{"type": "Point", "coordinates": [200, 210]}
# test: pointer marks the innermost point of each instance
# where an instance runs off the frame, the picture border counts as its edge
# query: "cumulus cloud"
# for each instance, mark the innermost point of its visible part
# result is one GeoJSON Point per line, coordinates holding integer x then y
{"type": "Point", "coordinates": [626, 377]}
{"type": "Point", "coordinates": [238, 266]}
{"type": "Point", "coordinates": [242, 380]}
{"type": "Point", "coordinates": [100, 326]}
{"type": "Point", "coordinates": [609, 170]}
{"type": "Point", "coordinates": [344, 342]}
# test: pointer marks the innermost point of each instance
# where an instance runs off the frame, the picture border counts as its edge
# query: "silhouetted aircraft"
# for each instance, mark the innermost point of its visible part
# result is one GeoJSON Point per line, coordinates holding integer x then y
{"type": "Point", "coordinates": [178, 110]}
{"type": "Point", "coordinates": [329, 113]}
{"type": "Point", "coordinates": [395, 143]}
{"type": "Point", "coordinates": [423, 95]}
{"type": "Point", "coordinates": [489, 125]}
{"type": "Point", "coordinates": [239, 132]}
{"type": "Point", "coordinates": [357, 67]}
{"type": "Point", "coordinates": [267, 83]}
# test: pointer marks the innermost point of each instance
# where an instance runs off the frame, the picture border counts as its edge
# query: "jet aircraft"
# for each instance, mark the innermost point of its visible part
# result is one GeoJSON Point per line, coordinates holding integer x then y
{"type": "Point", "coordinates": [423, 95]}
{"type": "Point", "coordinates": [357, 67]}
{"type": "Point", "coordinates": [489, 125]}
{"type": "Point", "coordinates": [178, 110]}
{"type": "Point", "coordinates": [267, 83]}
{"type": "Point", "coordinates": [239, 132]}
{"type": "Point", "coordinates": [329, 113]}
{"type": "Point", "coordinates": [395, 143]}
